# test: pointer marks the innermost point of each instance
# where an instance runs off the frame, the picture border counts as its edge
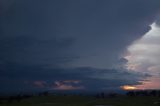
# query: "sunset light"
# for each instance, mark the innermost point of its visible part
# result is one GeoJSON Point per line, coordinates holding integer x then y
{"type": "Point", "coordinates": [128, 87]}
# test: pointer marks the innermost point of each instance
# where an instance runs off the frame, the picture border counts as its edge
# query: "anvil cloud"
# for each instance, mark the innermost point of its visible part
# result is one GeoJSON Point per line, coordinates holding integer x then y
{"type": "Point", "coordinates": [44, 41]}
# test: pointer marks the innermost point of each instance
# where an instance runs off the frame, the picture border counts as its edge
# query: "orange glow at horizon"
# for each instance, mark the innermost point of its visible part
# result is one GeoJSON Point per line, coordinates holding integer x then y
{"type": "Point", "coordinates": [128, 87]}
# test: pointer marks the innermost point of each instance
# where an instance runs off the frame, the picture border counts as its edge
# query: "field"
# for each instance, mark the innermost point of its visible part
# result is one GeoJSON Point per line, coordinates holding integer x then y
{"type": "Point", "coordinates": [85, 101]}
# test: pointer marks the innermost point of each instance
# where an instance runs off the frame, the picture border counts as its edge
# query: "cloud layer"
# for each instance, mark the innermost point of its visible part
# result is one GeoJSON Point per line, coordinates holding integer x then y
{"type": "Point", "coordinates": [42, 42]}
{"type": "Point", "coordinates": [58, 32]}
{"type": "Point", "coordinates": [24, 77]}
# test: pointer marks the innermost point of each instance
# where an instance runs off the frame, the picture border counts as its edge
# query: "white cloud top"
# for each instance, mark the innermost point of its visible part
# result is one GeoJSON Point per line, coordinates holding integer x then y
{"type": "Point", "coordinates": [144, 56]}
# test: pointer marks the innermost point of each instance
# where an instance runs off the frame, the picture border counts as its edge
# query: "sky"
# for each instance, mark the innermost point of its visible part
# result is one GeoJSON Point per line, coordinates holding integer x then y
{"type": "Point", "coordinates": [79, 45]}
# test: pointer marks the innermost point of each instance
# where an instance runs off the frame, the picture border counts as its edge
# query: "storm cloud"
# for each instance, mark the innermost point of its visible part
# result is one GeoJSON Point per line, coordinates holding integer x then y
{"type": "Point", "coordinates": [21, 78]}
{"type": "Point", "coordinates": [55, 40]}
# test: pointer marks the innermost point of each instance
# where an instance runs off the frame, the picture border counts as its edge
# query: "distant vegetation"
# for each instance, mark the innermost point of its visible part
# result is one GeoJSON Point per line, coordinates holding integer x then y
{"type": "Point", "coordinates": [132, 98]}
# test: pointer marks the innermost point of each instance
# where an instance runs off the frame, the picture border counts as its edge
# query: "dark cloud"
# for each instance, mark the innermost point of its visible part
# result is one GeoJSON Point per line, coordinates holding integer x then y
{"type": "Point", "coordinates": [158, 20]}
{"type": "Point", "coordinates": [17, 76]}
{"type": "Point", "coordinates": [31, 50]}
{"type": "Point", "coordinates": [61, 35]}
{"type": "Point", "coordinates": [94, 24]}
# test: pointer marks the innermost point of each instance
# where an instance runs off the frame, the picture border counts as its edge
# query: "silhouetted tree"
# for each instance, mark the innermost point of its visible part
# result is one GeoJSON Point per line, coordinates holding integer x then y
{"type": "Point", "coordinates": [153, 93]}
{"type": "Point", "coordinates": [102, 95]}
{"type": "Point", "coordinates": [131, 93]}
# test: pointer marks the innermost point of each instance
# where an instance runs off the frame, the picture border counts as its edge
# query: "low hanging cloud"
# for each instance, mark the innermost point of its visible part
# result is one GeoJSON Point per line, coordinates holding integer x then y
{"type": "Point", "coordinates": [67, 85]}
{"type": "Point", "coordinates": [84, 78]}
{"type": "Point", "coordinates": [39, 84]}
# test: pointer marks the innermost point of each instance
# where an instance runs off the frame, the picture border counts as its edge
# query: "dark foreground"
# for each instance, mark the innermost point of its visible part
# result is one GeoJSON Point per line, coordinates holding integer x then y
{"type": "Point", "coordinates": [84, 101]}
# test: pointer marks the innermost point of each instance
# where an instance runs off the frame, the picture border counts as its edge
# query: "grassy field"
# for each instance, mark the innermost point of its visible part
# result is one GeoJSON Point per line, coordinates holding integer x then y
{"type": "Point", "coordinates": [84, 101]}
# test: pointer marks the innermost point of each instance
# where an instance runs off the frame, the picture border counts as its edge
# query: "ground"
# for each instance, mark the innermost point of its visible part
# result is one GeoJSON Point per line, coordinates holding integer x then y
{"type": "Point", "coordinates": [85, 101]}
